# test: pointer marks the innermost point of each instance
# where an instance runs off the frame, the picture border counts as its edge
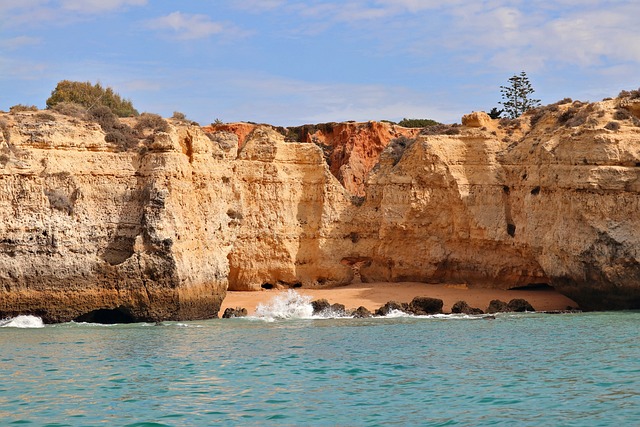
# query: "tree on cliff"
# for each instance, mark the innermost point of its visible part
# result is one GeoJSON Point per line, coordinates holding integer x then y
{"type": "Point", "coordinates": [91, 96]}
{"type": "Point", "coordinates": [516, 96]}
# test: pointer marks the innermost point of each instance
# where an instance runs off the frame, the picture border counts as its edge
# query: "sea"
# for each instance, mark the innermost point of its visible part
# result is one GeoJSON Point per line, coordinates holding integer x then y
{"type": "Point", "coordinates": [286, 367]}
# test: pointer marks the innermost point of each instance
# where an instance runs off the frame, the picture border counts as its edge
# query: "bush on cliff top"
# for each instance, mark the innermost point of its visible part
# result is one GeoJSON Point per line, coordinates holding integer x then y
{"type": "Point", "coordinates": [152, 122]}
{"type": "Point", "coordinates": [631, 94]}
{"type": "Point", "coordinates": [417, 123]}
{"type": "Point", "coordinates": [91, 96]}
{"type": "Point", "coordinates": [117, 133]}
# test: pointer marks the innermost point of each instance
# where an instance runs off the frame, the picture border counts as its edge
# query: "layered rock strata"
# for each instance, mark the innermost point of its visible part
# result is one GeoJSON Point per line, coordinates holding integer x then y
{"type": "Point", "coordinates": [161, 232]}
{"type": "Point", "coordinates": [85, 227]}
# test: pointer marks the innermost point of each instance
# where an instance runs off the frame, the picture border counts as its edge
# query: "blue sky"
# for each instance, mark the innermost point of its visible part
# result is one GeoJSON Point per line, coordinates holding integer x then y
{"type": "Point", "coordinates": [290, 62]}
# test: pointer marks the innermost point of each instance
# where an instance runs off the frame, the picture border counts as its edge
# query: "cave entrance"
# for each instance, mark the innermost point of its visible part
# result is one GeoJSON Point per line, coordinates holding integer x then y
{"type": "Point", "coordinates": [533, 287]}
{"type": "Point", "coordinates": [356, 263]}
{"type": "Point", "coordinates": [107, 316]}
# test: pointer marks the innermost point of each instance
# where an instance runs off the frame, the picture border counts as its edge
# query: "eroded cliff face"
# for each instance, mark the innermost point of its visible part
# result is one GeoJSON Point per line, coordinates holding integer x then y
{"type": "Point", "coordinates": [350, 149]}
{"type": "Point", "coordinates": [86, 228]}
{"type": "Point", "coordinates": [506, 206]}
{"type": "Point", "coordinates": [163, 231]}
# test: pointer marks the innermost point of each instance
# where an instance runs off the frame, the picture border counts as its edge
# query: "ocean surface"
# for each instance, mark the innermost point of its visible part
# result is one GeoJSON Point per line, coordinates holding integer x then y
{"type": "Point", "coordinates": [286, 368]}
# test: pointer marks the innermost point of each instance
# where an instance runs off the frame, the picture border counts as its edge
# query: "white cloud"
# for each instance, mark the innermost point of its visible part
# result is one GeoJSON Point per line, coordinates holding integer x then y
{"type": "Point", "coordinates": [302, 101]}
{"type": "Point", "coordinates": [258, 6]}
{"type": "Point", "coordinates": [19, 42]}
{"type": "Point", "coordinates": [503, 32]}
{"type": "Point", "coordinates": [99, 6]}
{"type": "Point", "coordinates": [186, 26]}
{"type": "Point", "coordinates": [34, 12]}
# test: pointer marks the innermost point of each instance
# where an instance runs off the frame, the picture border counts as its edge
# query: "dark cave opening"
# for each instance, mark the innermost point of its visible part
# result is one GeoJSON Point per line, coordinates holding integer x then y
{"type": "Point", "coordinates": [533, 287]}
{"type": "Point", "coordinates": [107, 316]}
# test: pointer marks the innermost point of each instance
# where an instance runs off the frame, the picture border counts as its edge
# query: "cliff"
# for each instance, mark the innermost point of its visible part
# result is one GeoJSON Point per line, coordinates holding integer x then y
{"type": "Point", "coordinates": [162, 230]}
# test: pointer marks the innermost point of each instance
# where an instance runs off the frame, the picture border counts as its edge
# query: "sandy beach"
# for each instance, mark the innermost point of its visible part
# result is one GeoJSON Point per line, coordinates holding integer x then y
{"type": "Point", "coordinates": [374, 295]}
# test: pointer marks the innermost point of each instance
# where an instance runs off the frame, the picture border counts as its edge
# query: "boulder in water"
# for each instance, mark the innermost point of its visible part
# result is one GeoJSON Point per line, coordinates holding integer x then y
{"type": "Point", "coordinates": [426, 305]}
{"type": "Point", "coordinates": [361, 312]}
{"type": "Point", "coordinates": [519, 305]}
{"type": "Point", "coordinates": [390, 306]}
{"type": "Point", "coordinates": [462, 307]}
{"type": "Point", "coordinates": [320, 305]}
{"type": "Point", "coordinates": [338, 310]}
{"type": "Point", "coordinates": [230, 313]}
{"type": "Point", "coordinates": [497, 306]}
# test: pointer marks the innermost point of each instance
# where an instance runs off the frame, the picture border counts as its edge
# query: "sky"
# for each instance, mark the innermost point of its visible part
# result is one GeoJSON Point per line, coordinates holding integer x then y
{"type": "Point", "coordinates": [292, 62]}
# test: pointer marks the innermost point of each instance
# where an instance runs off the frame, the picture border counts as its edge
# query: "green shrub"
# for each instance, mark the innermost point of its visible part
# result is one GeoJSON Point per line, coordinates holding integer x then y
{"type": "Point", "coordinates": [152, 122]}
{"type": "Point", "coordinates": [117, 133]}
{"type": "Point", "coordinates": [70, 109]}
{"type": "Point", "coordinates": [4, 127]}
{"type": "Point", "coordinates": [612, 126]}
{"type": "Point", "coordinates": [104, 117]}
{"type": "Point", "coordinates": [45, 117]}
{"type": "Point", "coordinates": [495, 113]}
{"type": "Point", "coordinates": [631, 94]}
{"type": "Point", "coordinates": [21, 107]}
{"type": "Point", "coordinates": [441, 129]}
{"type": "Point", "coordinates": [621, 114]}
{"type": "Point", "coordinates": [90, 96]}
{"type": "Point", "coordinates": [563, 101]}
{"type": "Point", "coordinates": [417, 123]}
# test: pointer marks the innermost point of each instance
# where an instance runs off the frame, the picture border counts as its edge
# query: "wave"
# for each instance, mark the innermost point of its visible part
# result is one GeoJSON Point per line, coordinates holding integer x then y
{"type": "Point", "coordinates": [22, 321]}
{"type": "Point", "coordinates": [289, 305]}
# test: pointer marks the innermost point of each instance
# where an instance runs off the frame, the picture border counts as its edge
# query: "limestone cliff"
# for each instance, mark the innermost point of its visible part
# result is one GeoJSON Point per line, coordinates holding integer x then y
{"type": "Point", "coordinates": [86, 227]}
{"type": "Point", "coordinates": [163, 230]}
{"type": "Point", "coordinates": [350, 149]}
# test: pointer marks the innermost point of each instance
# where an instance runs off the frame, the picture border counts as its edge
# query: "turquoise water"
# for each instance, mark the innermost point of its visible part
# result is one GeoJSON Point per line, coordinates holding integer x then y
{"type": "Point", "coordinates": [516, 370]}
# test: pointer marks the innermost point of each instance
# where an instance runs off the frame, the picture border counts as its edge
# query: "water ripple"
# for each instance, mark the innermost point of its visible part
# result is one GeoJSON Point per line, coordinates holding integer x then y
{"type": "Point", "coordinates": [575, 370]}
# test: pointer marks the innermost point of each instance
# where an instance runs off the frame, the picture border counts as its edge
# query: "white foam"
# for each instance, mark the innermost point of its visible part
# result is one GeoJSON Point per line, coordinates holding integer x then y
{"type": "Point", "coordinates": [397, 313]}
{"type": "Point", "coordinates": [289, 305]}
{"type": "Point", "coordinates": [22, 321]}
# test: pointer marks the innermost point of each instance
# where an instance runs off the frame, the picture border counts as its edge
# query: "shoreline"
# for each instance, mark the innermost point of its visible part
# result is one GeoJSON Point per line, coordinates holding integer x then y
{"type": "Point", "coordinates": [374, 295]}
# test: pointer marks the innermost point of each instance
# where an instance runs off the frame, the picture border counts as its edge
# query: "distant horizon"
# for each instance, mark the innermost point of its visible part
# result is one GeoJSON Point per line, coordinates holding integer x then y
{"type": "Point", "coordinates": [289, 63]}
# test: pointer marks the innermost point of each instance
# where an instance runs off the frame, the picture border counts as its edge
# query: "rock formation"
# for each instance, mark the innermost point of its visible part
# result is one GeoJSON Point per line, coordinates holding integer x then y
{"type": "Point", "coordinates": [162, 231]}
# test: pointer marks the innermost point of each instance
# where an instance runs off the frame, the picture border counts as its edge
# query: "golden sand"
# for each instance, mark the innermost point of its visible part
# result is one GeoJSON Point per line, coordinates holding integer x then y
{"type": "Point", "coordinates": [374, 295]}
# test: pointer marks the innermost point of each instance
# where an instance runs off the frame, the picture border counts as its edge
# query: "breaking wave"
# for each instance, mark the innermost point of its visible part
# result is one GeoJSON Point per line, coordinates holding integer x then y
{"type": "Point", "coordinates": [292, 305]}
{"type": "Point", "coordinates": [22, 321]}
{"type": "Point", "coordinates": [289, 305]}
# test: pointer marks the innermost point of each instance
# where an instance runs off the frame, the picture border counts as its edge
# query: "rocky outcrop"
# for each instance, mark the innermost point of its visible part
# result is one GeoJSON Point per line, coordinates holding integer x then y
{"type": "Point", "coordinates": [230, 313]}
{"type": "Point", "coordinates": [353, 149]}
{"type": "Point", "coordinates": [162, 231]}
{"type": "Point", "coordinates": [350, 149]}
{"type": "Point", "coordinates": [462, 307]}
{"type": "Point", "coordinates": [86, 227]}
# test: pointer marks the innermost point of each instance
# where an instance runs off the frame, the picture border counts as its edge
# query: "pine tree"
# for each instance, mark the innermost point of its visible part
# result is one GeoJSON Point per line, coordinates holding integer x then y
{"type": "Point", "coordinates": [516, 98]}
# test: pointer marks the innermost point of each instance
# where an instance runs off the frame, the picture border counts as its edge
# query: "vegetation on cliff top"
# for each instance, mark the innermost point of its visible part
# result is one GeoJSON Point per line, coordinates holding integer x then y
{"type": "Point", "coordinates": [91, 96]}
{"type": "Point", "coordinates": [516, 97]}
{"type": "Point", "coordinates": [417, 123]}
